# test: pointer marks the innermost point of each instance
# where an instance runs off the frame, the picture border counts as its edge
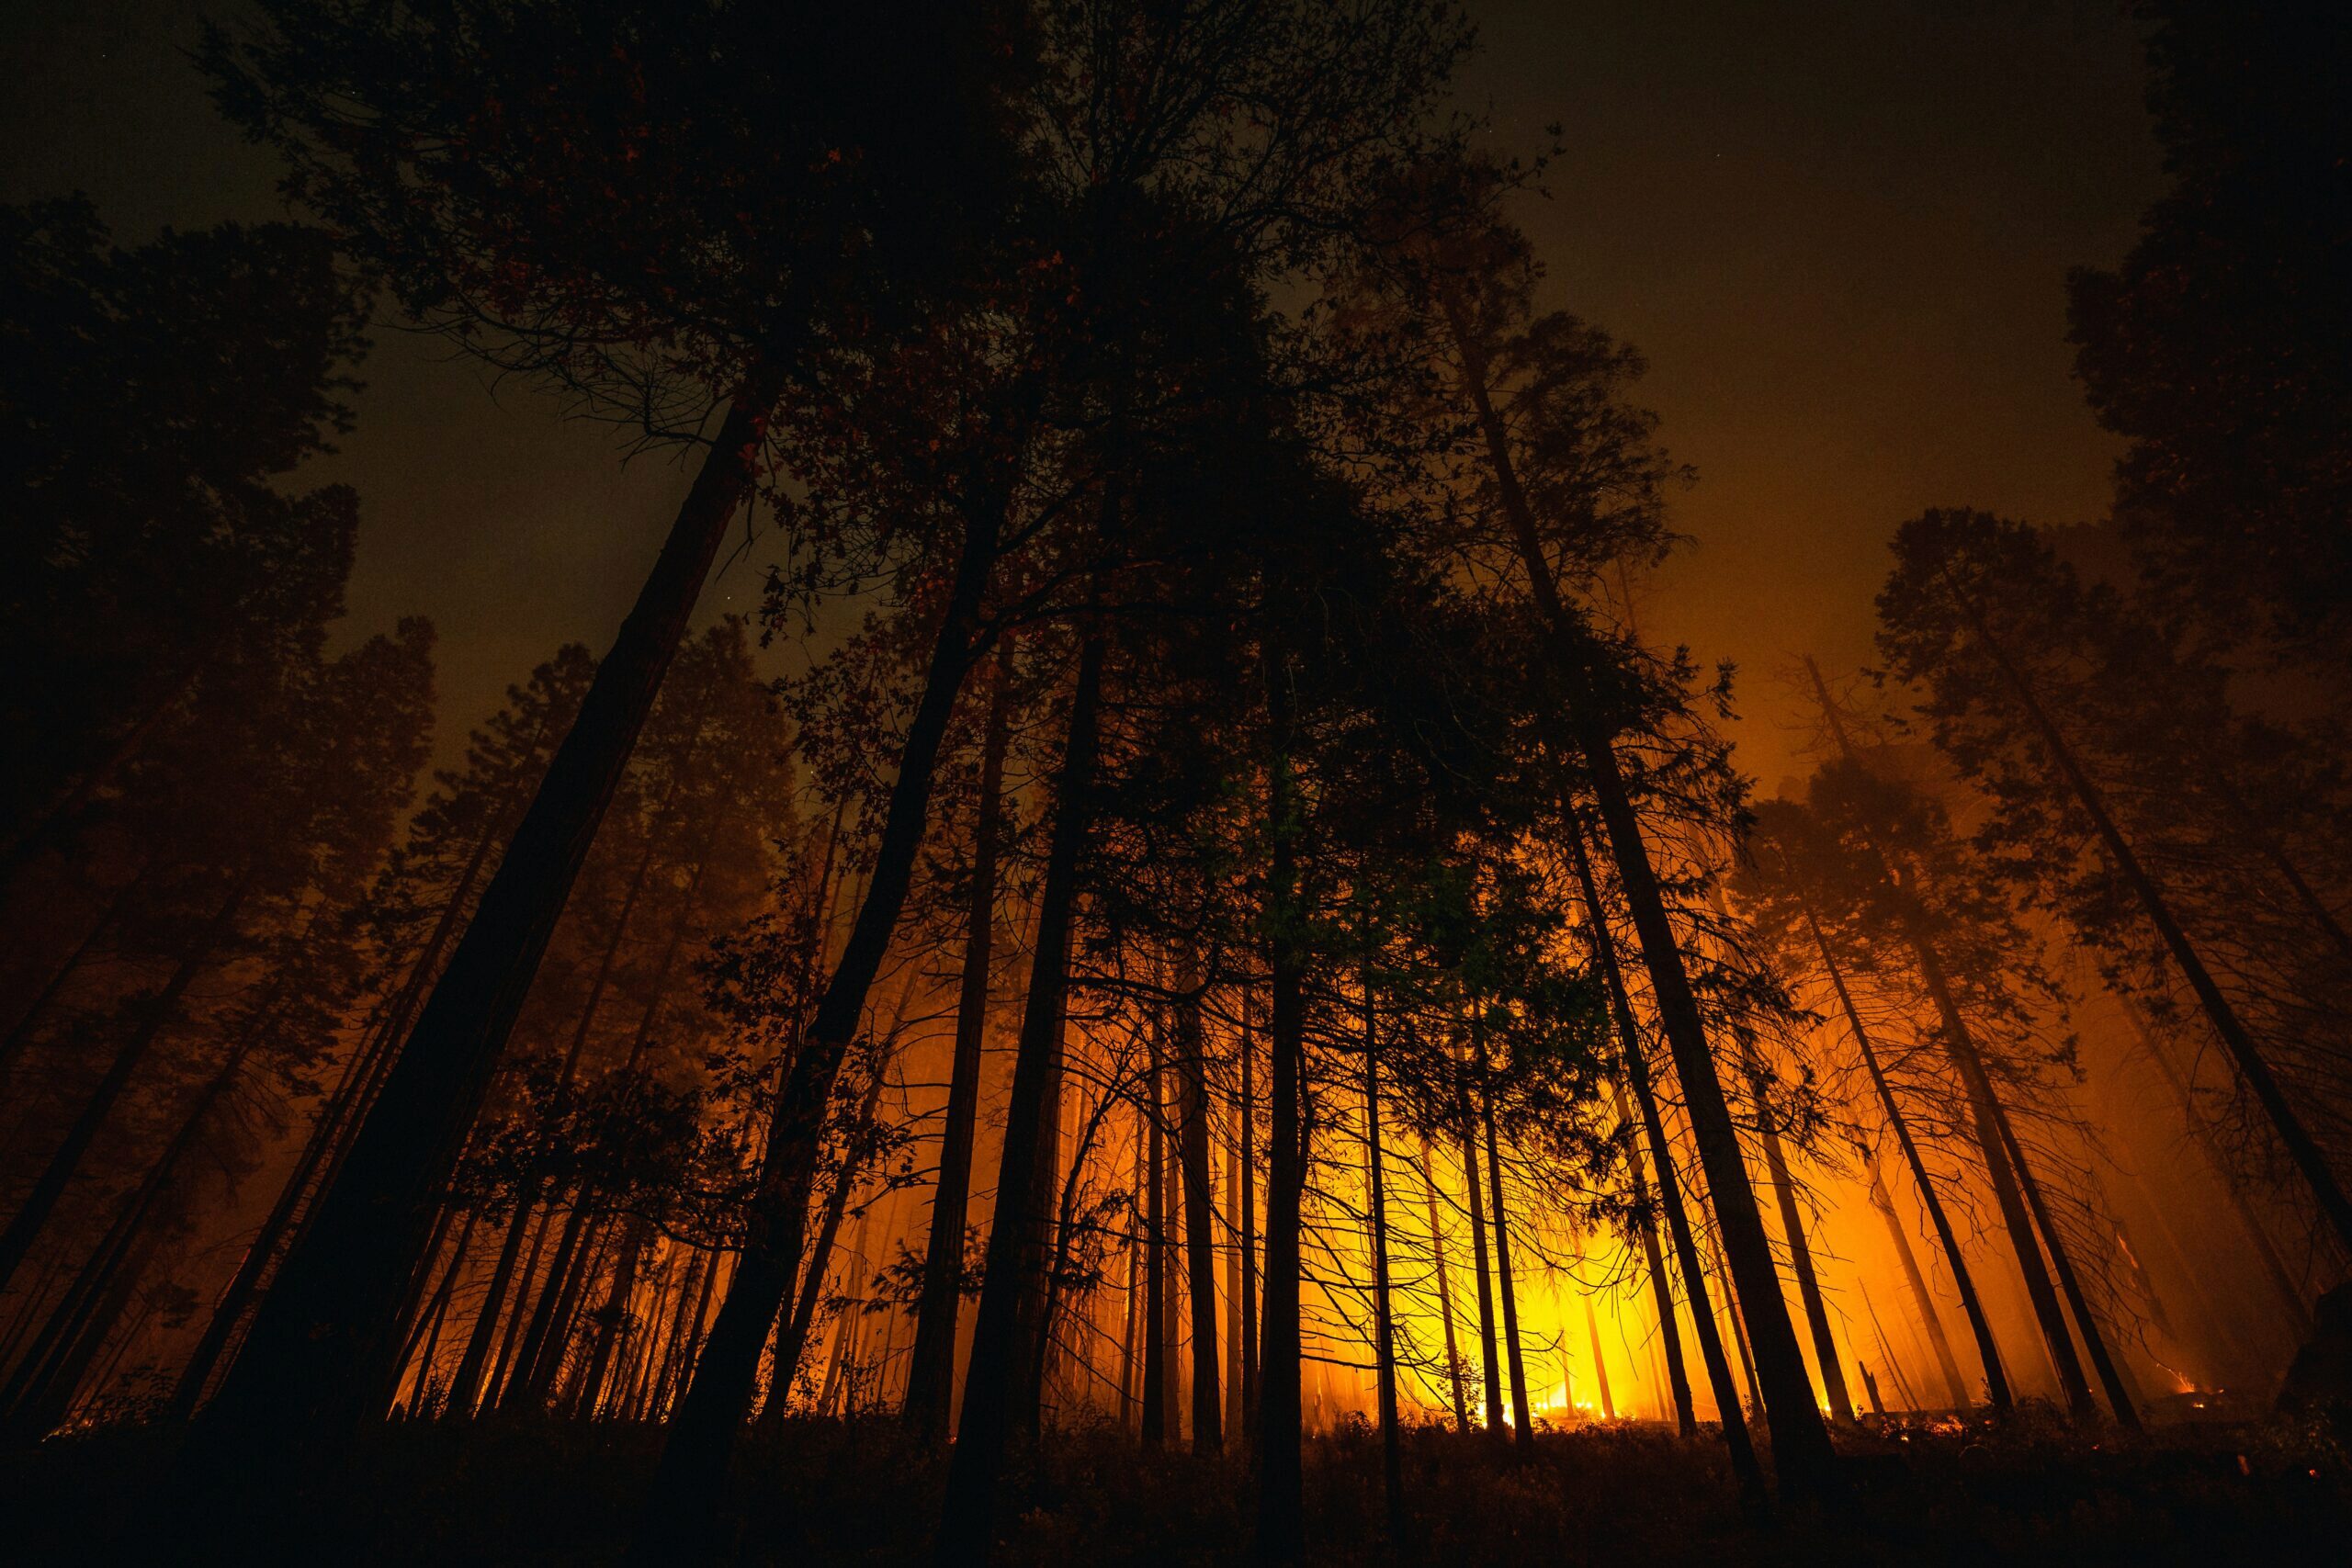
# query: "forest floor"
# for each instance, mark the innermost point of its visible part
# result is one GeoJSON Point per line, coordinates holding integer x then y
{"type": "Point", "coordinates": [542, 1493]}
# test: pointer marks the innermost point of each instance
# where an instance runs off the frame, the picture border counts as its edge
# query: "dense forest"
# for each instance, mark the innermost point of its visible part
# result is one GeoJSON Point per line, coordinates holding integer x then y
{"type": "Point", "coordinates": [1187, 984]}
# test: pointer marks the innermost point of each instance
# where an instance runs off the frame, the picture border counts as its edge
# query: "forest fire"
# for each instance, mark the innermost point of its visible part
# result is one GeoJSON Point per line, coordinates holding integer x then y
{"type": "Point", "coordinates": [1207, 905]}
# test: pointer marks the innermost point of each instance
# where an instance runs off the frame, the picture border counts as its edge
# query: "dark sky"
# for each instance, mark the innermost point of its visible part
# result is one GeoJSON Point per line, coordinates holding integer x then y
{"type": "Point", "coordinates": [1839, 229]}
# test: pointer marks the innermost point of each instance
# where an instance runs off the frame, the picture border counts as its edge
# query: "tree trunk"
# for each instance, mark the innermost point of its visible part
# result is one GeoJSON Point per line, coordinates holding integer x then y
{"type": "Point", "coordinates": [1988, 1350]}
{"type": "Point", "coordinates": [966, 1525]}
{"type": "Point", "coordinates": [2334, 1206]}
{"type": "Point", "coordinates": [2110, 1378]}
{"type": "Point", "coordinates": [1248, 1113]}
{"type": "Point", "coordinates": [1445, 1301]}
{"type": "Point", "coordinates": [357, 1088]}
{"type": "Point", "coordinates": [1281, 1533]}
{"type": "Point", "coordinates": [1155, 1288]}
{"type": "Point", "coordinates": [502, 1369]}
{"type": "Point", "coordinates": [465, 1384]}
{"type": "Point", "coordinates": [68, 1342]}
{"type": "Point", "coordinates": [563, 1281]}
{"type": "Point", "coordinates": [1392, 1460]}
{"type": "Point", "coordinates": [1199, 1207]}
{"type": "Point", "coordinates": [1986, 1107]}
{"type": "Point", "coordinates": [1825, 1343]}
{"type": "Point", "coordinates": [1237, 1155]}
{"type": "Point", "coordinates": [420, 1402]}
{"type": "Point", "coordinates": [1129, 1421]}
{"type": "Point", "coordinates": [1802, 1458]}
{"type": "Point", "coordinates": [1635, 1062]}
{"type": "Point", "coordinates": [1600, 1363]}
{"type": "Point", "coordinates": [1519, 1407]}
{"type": "Point", "coordinates": [690, 1475]}
{"type": "Point", "coordinates": [1921, 1301]}
{"type": "Point", "coordinates": [1033, 1311]}
{"type": "Point", "coordinates": [2290, 1295]}
{"type": "Point", "coordinates": [792, 1334]}
{"type": "Point", "coordinates": [316, 1352]}
{"type": "Point", "coordinates": [1490, 1362]}
{"type": "Point", "coordinates": [161, 1013]}
{"type": "Point", "coordinates": [930, 1367]}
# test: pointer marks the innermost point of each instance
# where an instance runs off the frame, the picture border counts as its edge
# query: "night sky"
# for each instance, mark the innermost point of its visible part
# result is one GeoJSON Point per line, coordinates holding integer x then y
{"type": "Point", "coordinates": [1840, 230]}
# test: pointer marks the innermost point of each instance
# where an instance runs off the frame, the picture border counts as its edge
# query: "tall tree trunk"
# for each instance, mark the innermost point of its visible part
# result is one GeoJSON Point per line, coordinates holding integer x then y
{"type": "Point", "coordinates": [690, 1475]}
{"type": "Point", "coordinates": [792, 1334]}
{"type": "Point", "coordinates": [1509, 1290]}
{"type": "Point", "coordinates": [1988, 1349]}
{"type": "Point", "coordinates": [1281, 1533]}
{"type": "Point", "coordinates": [966, 1524]}
{"type": "Point", "coordinates": [357, 1088]}
{"type": "Point", "coordinates": [1154, 1273]}
{"type": "Point", "coordinates": [1032, 1312]}
{"type": "Point", "coordinates": [2310, 1160]}
{"type": "Point", "coordinates": [1737, 1441]}
{"type": "Point", "coordinates": [1600, 1363]}
{"type": "Point", "coordinates": [421, 1400]}
{"type": "Point", "coordinates": [1392, 1459]}
{"type": "Point", "coordinates": [502, 1369]}
{"type": "Point", "coordinates": [1489, 1361]}
{"type": "Point", "coordinates": [1985, 1106]}
{"type": "Point", "coordinates": [2109, 1376]}
{"type": "Point", "coordinates": [1922, 1302]}
{"type": "Point", "coordinates": [1129, 1421]}
{"type": "Point", "coordinates": [930, 1367]}
{"type": "Point", "coordinates": [1246, 1112]}
{"type": "Point", "coordinates": [524, 1385]}
{"type": "Point", "coordinates": [1200, 1206]}
{"type": "Point", "coordinates": [608, 1317]}
{"type": "Point", "coordinates": [1803, 1459]}
{"type": "Point", "coordinates": [69, 1343]}
{"type": "Point", "coordinates": [466, 1383]}
{"type": "Point", "coordinates": [162, 1013]}
{"type": "Point", "coordinates": [1816, 1312]}
{"type": "Point", "coordinates": [1445, 1300]}
{"type": "Point", "coordinates": [315, 1356]}
{"type": "Point", "coordinates": [1237, 1155]}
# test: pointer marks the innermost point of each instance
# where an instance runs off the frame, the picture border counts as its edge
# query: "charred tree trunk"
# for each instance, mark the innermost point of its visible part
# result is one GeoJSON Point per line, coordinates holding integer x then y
{"type": "Point", "coordinates": [966, 1525]}
{"type": "Point", "coordinates": [1281, 1533]}
{"type": "Point", "coordinates": [1445, 1301]}
{"type": "Point", "coordinates": [1988, 1350]}
{"type": "Point", "coordinates": [1237, 1154]}
{"type": "Point", "coordinates": [2110, 1378]}
{"type": "Point", "coordinates": [1803, 1459]}
{"type": "Point", "coordinates": [1200, 1208]}
{"type": "Point", "coordinates": [1921, 1301]}
{"type": "Point", "coordinates": [1517, 1361]}
{"type": "Point", "coordinates": [1600, 1363]}
{"type": "Point", "coordinates": [1737, 1438]}
{"type": "Point", "coordinates": [315, 1356]}
{"type": "Point", "coordinates": [692, 1470]}
{"type": "Point", "coordinates": [791, 1343]}
{"type": "Point", "coordinates": [1816, 1312]}
{"type": "Point", "coordinates": [1985, 1106]}
{"type": "Point", "coordinates": [930, 1366]}
{"type": "Point", "coordinates": [1392, 1459]}
{"type": "Point", "coordinates": [1155, 1272]}
{"type": "Point", "coordinates": [1489, 1360]}
{"type": "Point", "coordinates": [1246, 1112]}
